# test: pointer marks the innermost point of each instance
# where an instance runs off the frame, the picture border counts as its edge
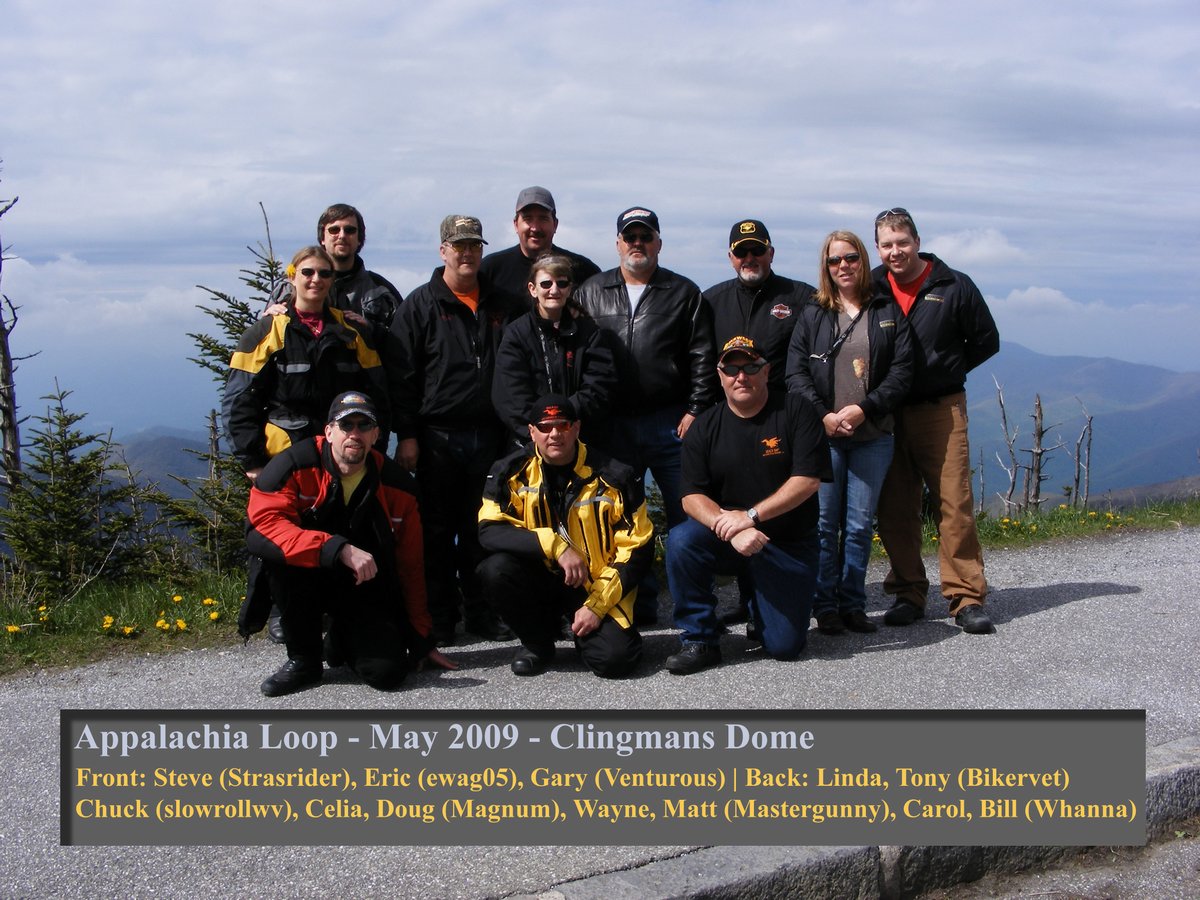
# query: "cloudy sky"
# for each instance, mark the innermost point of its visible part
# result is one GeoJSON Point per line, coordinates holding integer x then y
{"type": "Point", "coordinates": [1047, 149]}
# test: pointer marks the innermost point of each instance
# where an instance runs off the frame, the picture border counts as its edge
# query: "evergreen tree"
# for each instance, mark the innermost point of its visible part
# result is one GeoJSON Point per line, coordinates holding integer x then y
{"type": "Point", "coordinates": [68, 521]}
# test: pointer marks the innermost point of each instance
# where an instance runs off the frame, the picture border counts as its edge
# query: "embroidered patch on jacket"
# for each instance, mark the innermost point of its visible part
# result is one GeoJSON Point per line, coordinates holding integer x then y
{"type": "Point", "coordinates": [771, 446]}
{"type": "Point", "coordinates": [781, 310]}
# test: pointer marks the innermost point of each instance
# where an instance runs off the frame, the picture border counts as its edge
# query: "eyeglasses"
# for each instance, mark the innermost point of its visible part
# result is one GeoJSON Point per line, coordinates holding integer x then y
{"type": "Point", "coordinates": [894, 211]}
{"type": "Point", "coordinates": [465, 246]}
{"type": "Point", "coordinates": [553, 425]}
{"type": "Point", "coordinates": [563, 284]}
{"type": "Point", "coordinates": [744, 250]}
{"type": "Point", "coordinates": [342, 229]}
{"type": "Point", "coordinates": [637, 237]}
{"type": "Point", "coordinates": [834, 261]}
{"type": "Point", "coordinates": [362, 426]}
{"type": "Point", "coordinates": [319, 273]}
{"type": "Point", "coordinates": [732, 370]}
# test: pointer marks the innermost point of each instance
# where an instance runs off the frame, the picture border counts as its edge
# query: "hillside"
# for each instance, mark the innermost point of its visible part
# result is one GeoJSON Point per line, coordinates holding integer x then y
{"type": "Point", "coordinates": [1146, 426]}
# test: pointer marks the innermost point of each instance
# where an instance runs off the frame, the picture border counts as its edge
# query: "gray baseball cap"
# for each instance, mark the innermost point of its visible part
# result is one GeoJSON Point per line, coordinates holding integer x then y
{"type": "Point", "coordinates": [536, 196]}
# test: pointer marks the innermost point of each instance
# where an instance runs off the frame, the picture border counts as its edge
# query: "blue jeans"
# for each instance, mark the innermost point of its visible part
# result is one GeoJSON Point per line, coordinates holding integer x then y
{"type": "Point", "coordinates": [648, 441]}
{"type": "Point", "coordinates": [784, 579]}
{"type": "Point", "coordinates": [847, 512]}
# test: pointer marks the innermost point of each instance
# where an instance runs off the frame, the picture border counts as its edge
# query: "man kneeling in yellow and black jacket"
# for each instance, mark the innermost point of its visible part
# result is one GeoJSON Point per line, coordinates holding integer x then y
{"type": "Point", "coordinates": [568, 534]}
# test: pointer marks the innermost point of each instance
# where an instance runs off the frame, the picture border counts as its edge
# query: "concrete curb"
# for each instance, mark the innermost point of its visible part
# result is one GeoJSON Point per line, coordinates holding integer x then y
{"type": "Point", "coordinates": [724, 873]}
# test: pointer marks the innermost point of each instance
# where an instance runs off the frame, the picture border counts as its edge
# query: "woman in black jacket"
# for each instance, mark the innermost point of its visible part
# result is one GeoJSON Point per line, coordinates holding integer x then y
{"type": "Point", "coordinates": [851, 356]}
{"type": "Point", "coordinates": [555, 348]}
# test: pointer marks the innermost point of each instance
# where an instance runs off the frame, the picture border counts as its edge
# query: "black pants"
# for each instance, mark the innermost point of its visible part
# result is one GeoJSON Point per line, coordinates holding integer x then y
{"type": "Point", "coordinates": [364, 629]}
{"type": "Point", "coordinates": [533, 600]}
{"type": "Point", "coordinates": [452, 470]}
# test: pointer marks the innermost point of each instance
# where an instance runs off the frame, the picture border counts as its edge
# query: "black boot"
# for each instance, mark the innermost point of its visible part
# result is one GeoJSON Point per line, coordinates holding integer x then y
{"type": "Point", "coordinates": [294, 675]}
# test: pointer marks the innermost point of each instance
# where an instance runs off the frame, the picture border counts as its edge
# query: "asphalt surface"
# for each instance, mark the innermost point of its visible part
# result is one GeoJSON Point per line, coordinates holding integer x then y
{"type": "Point", "coordinates": [1104, 623]}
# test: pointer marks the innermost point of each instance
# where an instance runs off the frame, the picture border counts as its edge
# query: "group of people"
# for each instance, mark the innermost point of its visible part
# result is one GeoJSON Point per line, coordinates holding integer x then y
{"type": "Point", "coordinates": [529, 393]}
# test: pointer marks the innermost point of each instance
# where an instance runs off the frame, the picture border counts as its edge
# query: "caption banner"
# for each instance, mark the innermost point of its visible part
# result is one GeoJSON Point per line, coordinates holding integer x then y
{"type": "Point", "coordinates": [572, 777]}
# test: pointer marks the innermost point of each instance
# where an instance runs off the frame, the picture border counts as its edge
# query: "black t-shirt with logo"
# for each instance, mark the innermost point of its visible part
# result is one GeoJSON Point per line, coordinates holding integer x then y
{"type": "Point", "coordinates": [740, 462]}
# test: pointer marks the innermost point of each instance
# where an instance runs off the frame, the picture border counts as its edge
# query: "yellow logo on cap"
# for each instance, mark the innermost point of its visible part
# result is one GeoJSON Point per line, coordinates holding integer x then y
{"type": "Point", "coordinates": [746, 228]}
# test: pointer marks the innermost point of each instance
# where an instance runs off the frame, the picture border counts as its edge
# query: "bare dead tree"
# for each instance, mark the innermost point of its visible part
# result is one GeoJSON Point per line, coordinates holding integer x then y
{"type": "Point", "coordinates": [1035, 471]}
{"type": "Point", "coordinates": [1082, 458]}
{"type": "Point", "coordinates": [10, 439]}
{"type": "Point", "coordinates": [982, 490]}
{"type": "Point", "coordinates": [1013, 467]}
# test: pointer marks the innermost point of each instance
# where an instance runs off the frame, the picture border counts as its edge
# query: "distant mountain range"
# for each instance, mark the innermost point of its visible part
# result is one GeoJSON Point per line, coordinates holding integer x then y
{"type": "Point", "coordinates": [1146, 426]}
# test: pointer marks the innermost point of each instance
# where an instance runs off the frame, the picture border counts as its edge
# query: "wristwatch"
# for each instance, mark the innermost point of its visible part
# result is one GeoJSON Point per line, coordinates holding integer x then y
{"type": "Point", "coordinates": [753, 514]}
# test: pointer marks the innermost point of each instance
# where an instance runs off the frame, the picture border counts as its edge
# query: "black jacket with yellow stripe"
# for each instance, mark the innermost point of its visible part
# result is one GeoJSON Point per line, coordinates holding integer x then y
{"type": "Point", "coordinates": [601, 515]}
{"type": "Point", "coordinates": [282, 380]}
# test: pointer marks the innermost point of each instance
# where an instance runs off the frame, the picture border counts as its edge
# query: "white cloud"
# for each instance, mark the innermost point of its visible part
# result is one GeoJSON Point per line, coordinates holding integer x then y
{"type": "Point", "coordinates": [1048, 321]}
{"type": "Point", "coordinates": [1059, 154]}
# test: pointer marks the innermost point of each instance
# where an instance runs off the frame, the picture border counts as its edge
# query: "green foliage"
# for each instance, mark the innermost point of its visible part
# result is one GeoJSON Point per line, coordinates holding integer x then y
{"type": "Point", "coordinates": [74, 512]}
{"type": "Point", "coordinates": [214, 512]}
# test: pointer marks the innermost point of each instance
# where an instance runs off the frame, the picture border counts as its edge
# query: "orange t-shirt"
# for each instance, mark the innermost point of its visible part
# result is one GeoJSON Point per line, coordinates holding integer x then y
{"type": "Point", "coordinates": [471, 300]}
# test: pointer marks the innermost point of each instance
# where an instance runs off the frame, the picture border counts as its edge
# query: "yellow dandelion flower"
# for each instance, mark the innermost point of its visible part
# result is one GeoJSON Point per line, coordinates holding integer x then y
{"type": "Point", "coordinates": [1062, 506]}
{"type": "Point", "coordinates": [1092, 514]}
{"type": "Point", "coordinates": [1033, 528]}
{"type": "Point", "coordinates": [181, 625]}
{"type": "Point", "coordinates": [162, 623]}
{"type": "Point", "coordinates": [107, 623]}
{"type": "Point", "coordinates": [214, 615]}
{"type": "Point", "coordinates": [209, 601]}
{"type": "Point", "coordinates": [177, 598]}
{"type": "Point", "coordinates": [42, 608]}
{"type": "Point", "coordinates": [1005, 520]}
{"type": "Point", "coordinates": [12, 629]}
{"type": "Point", "coordinates": [128, 630]}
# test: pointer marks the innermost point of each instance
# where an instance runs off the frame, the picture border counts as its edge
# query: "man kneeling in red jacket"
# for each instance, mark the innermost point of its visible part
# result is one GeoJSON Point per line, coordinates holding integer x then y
{"type": "Point", "coordinates": [341, 535]}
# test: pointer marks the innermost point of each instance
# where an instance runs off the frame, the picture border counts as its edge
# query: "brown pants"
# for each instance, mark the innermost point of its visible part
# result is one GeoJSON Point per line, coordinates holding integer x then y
{"type": "Point", "coordinates": [932, 450]}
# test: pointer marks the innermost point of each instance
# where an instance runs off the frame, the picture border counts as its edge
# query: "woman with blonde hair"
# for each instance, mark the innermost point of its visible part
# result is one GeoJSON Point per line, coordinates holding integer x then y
{"type": "Point", "coordinates": [851, 356]}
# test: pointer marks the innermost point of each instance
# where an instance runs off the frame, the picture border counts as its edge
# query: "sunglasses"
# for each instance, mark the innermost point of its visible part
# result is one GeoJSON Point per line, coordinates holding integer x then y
{"type": "Point", "coordinates": [342, 229]}
{"type": "Point", "coordinates": [834, 261]}
{"type": "Point", "coordinates": [894, 211]}
{"type": "Point", "coordinates": [362, 426]}
{"type": "Point", "coordinates": [755, 250]}
{"type": "Point", "coordinates": [563, 284]}
{"type": "Point", "coordinates": [637, 237]}
{"type": "Point", "coordinates": [319, 273]}
{"type": "Point", "coordinates": [553, 425]}
{"type": "Point", "coordinates": [733, 370]}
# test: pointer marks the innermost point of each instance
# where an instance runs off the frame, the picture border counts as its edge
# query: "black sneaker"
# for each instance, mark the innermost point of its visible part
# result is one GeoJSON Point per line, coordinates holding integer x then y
{"type": "Point", "coordinates": [903, 613]}
{"type": "Point", "coordinates": [973, 620]}
{"type": "Point", "coordinates": [693, 657]}
{"type": "Point", "coordinates": [856, 620]}
{"type": "Point", "coordinates": [829, 622]}
{"type": "Point", "coordinates": [294, 675]}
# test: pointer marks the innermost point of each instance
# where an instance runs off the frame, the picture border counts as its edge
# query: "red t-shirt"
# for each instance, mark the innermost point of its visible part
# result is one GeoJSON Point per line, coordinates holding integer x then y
{"type": "Point", "coordinates": [906, 293]}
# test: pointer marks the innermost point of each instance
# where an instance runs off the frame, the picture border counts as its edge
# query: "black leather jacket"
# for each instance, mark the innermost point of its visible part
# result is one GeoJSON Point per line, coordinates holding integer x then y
{"type": "Point", "coordinates": [666, 355]}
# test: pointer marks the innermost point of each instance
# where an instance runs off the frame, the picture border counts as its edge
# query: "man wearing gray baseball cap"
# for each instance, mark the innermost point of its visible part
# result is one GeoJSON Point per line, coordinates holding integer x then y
{"type": "Point", "coordinates": [536, 222]}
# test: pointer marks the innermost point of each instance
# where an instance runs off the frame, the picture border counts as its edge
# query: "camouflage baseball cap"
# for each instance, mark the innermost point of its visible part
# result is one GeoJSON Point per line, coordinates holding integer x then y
{"type": "Point", "coordinates": [462, 228]}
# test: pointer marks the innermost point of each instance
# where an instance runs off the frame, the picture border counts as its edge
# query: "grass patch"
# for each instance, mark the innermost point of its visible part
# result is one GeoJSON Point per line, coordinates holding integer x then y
{"type": "Point", "coordinates": [106, 620]}
{"type": "Point", "coordinates": [1063, 522]}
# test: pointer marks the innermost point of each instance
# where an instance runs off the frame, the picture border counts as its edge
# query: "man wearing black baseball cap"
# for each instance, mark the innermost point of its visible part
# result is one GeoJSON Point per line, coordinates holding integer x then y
{"type": "Point", "coordinates": [536, 222]}
{"type": "Point", "coordinates": [340, 535]}
{"type": "Point", "coordinates": [568, 534]}
{"type": "Point", "coordinates": [764, 306]}
{"type": "Point", "coordinates": [662, 339]}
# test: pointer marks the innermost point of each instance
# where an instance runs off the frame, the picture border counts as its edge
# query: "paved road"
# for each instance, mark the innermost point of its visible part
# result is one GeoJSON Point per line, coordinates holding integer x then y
{"type": "Point", "coordinates": [1107, 623]}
